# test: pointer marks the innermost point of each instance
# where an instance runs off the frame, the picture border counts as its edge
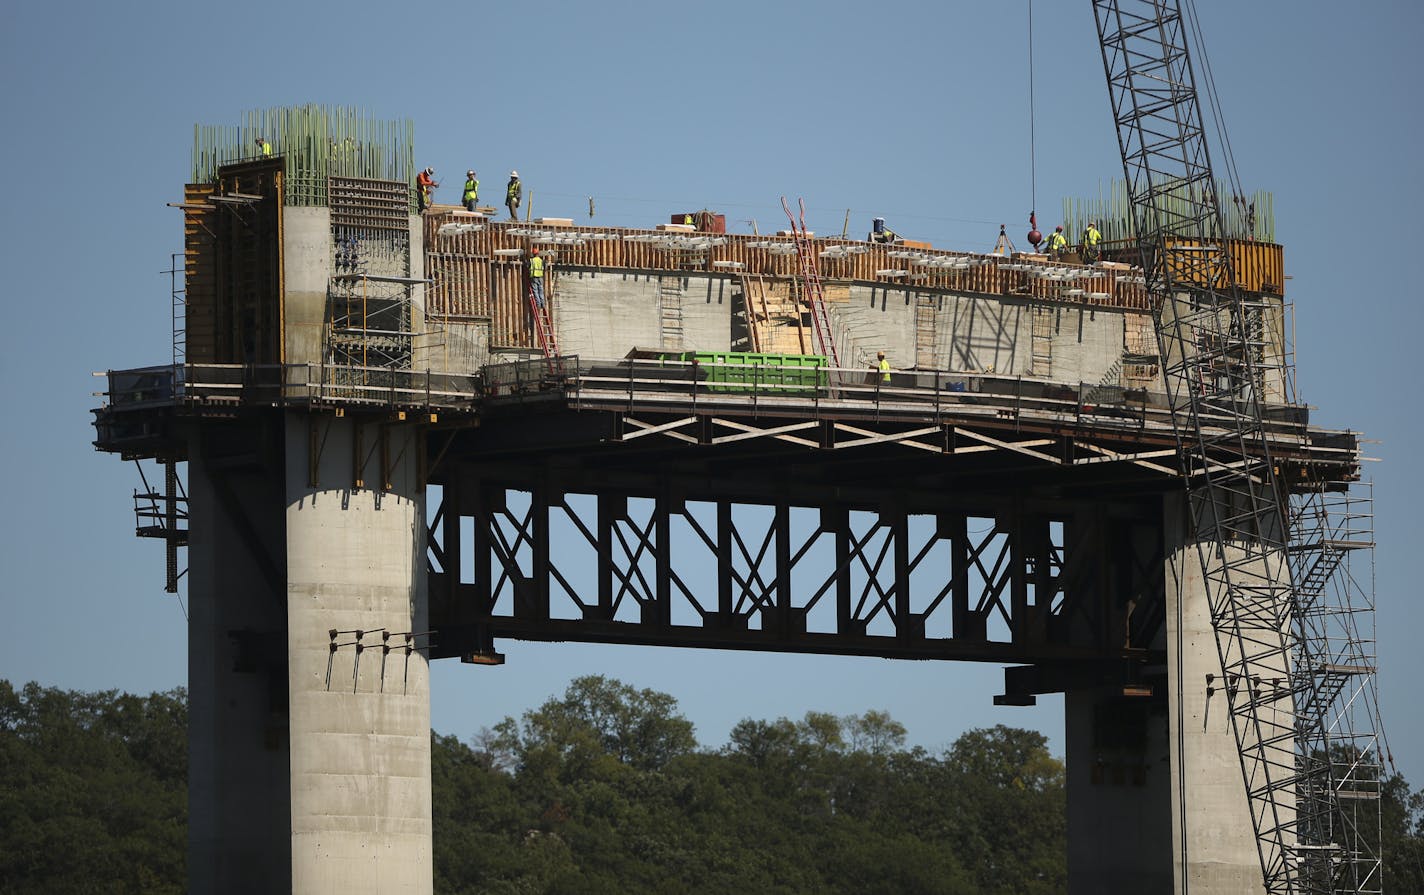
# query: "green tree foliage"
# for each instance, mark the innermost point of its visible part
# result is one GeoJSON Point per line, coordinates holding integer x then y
{"type": "Point", "coordinates": [610, 793]}
{"type": "Point", "coordinates": [94, 792]}
{"type": "Point", "coordinates": [599, 718]}
{"type": "Point", "coordinates": [601, 790]}
{"type": "Point", "coordinates": [1402, 839]}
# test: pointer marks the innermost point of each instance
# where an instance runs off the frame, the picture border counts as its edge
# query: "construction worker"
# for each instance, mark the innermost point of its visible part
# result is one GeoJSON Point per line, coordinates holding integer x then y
{"type": "Point", "coordinates": [536, 277]}
{"type": "Point", "coordinates": [687, 220]}
{"type": "Point", "coordinates": [1092, 243]}
{"type": "Point", "coordinates": [513, 192]}
{"type": "Point", "coordinates": [264, 148]}
{"type": "Point", "coordinates": [883, 366]}
{"type": "Point", "coordinates": [425, 188]}
{"type": "Point", "coordinates": [1057, 243]}
{"type": "Point", "coordinates": [341, 154]}
{"type": "Point", "coordinates": [472, 190]}
{"type": "Point", "coordinates": [881, 233]}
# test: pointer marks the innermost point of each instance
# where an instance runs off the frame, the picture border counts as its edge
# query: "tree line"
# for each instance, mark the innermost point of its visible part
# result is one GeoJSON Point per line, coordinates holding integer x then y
{"type": "Point", "coordinates": [603, 789]}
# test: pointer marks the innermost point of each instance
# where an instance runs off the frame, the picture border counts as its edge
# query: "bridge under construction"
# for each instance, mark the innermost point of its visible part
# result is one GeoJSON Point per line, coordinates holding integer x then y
{"type": "Point", "coordinates": [376, 450]}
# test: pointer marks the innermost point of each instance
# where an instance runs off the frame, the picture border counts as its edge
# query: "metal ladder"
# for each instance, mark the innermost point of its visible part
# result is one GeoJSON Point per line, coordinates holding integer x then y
{"type": "Point", "coordinates": [926, 315]}
{"type": "Point", "coordinates": [163, 515]}
{"type": "Point", "coordinates": [670, 312]}
{"type": "Point", "coordinates": [811, 284]}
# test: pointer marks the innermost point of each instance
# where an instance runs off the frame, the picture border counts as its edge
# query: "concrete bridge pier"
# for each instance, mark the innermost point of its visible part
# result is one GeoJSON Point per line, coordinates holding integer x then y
{"type": "Point", "coordinates": [310, 765]}
{"type": "Point", "coordinates": [1155, 798]}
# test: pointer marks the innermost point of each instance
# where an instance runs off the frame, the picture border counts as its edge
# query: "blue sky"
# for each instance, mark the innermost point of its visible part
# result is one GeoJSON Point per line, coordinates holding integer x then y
{"type": "Point", "coordinates": [915, 111]}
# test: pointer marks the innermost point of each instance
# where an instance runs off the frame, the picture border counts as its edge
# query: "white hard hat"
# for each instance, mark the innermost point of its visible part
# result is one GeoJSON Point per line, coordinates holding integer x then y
{"type": "Point", "coordinates": [513, 173]}
{"type": "Point", "coordinates": [469, 173]}
{"type": "Point", "coordinates": [429, 170]}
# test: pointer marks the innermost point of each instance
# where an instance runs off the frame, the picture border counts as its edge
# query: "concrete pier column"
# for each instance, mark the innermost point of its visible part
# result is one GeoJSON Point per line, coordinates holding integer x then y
{"type": "Point", "coordinates": [1156, 802]}
{"type": "Point", "coordinates": [360, 719]}
{"type": "Point", "coordinates": [309, 768]}
{"type": "Point", "coordinates": [1213, 838]}
{"type": "Point", "coordinates": [1119, 823]}
{"type": "Point", "coordinates": [238, 784]}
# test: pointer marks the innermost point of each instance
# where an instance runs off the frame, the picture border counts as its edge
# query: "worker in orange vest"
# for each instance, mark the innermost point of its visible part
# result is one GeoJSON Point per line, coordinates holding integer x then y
{"type": "Point", "coordinates": [424, 188]}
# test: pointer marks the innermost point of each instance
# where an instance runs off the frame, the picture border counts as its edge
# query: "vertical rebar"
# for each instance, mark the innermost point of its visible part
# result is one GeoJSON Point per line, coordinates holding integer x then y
{"type": "Point", "coordinates": [315, 142]}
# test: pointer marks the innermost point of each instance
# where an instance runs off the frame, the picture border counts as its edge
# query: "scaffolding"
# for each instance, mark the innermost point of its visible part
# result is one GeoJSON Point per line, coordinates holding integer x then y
{"type": "Point", "coordinates": [371, 314]}
{"type": "Point", "coordinates": [370, 321]}
{"type": "Point", "coordinates": [1332, 567]}
{"type": "Point", "coordinates": [163, 515]}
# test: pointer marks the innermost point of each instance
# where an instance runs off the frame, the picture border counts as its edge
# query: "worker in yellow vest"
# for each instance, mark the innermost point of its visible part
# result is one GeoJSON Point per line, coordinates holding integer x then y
{"type": "Point", "coordinates": [264, 148]}
{"type": "Point", "coordinates": [883, 366]}
{"type": "Point", "coordinates": [1057, 243]}
{"type": "Point", "coordinates": [1092, 243]}
{"type": "Point", "coordinates": [472, 190]}
{"type": "Point", "coordinates": [513, 192]}
{"type": "Point", "coordinates": [536, 278]}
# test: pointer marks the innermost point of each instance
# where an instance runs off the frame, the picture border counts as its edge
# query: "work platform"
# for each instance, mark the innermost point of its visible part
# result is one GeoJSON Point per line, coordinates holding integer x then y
{"type": "Point", "coordinates": [1072, 425]}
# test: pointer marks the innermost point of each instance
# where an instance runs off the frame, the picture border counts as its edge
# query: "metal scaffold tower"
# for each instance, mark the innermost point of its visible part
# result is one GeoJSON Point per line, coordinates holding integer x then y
{"type": "Point", "coordinates": [1289, 609]}
{"type": "Point", "coordinates": [370, 313]}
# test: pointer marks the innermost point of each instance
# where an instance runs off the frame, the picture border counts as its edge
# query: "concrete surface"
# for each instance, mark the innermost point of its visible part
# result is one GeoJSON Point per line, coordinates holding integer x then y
{"type": "Point", "coordinates": [360, 722]}
{"type": "Point", "coordinates": [1119, 808]}
{"type": "Point", "coordinates": [1214, 841]}
{"type": "Point", "coordinates": [238, 805]}
{"type": "Point", "coordinates": [306, 268]}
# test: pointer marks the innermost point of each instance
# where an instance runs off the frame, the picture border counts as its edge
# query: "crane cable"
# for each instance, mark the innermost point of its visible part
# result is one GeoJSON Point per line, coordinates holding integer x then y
{"type": "Point", "coordinates": [1213, 100]}
{"type": "Point", "coordinates": [1034, 236]}
{"type": "Point", "coordinates": [1032, 160]}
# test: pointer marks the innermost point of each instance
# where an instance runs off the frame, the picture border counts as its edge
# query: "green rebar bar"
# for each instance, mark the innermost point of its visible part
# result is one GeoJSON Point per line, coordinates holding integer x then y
{"type": "Point", "coordinates": [1245, 216]}
{"type": "Point", "coordinates": [315, 142]}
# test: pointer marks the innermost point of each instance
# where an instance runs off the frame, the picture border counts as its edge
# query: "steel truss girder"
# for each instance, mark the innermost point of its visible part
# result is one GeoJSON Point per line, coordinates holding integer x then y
{"type": "Point", "coordinates": [520, 553]}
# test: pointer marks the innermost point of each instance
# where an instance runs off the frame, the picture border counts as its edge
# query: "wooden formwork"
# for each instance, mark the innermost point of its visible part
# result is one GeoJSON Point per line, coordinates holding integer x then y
{"type": "Point", "coordinates": [459, 254]}
{"type": "Point", "coordinates": [232, 247]}
{"type": "Point", "coordinates": [476, 266]}
{"type": "Point", "coordinates": [200, 311]}
{"type": "Point", "coordinates": [1256, 266]}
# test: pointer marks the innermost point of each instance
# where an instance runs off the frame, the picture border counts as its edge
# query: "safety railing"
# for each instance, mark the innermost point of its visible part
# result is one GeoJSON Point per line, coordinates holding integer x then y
{"type": "Point", "coordinates": [921, 392]}
{"type": "Point", "coordinates": [592, 383]}
{"type": "Point", "coordinates": [282, 384]}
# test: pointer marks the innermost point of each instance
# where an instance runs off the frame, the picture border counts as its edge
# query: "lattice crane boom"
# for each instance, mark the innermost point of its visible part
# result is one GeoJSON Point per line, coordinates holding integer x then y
{"type": "Point", "coordinates": [1253, 533]}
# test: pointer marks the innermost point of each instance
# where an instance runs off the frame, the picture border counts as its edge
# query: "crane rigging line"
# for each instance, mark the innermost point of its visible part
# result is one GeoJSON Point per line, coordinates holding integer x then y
{"type": "Point", "coordinates": [1213, 98]}
{"type": "Point", "coordinates": [1032, 160]}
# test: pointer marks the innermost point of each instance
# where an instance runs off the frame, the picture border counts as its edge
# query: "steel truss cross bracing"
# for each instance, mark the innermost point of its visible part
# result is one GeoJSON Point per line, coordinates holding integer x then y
{"type": "Point", "coordinates": [517, 552]}
{"type": "Point", "coordinates": [1284, 675]}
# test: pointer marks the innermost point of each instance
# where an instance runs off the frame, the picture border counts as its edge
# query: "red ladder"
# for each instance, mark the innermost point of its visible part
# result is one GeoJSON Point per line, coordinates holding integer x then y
{"type": "Point", "coordinates": [543, 321]}
{"type": "Point", "coordinates": [811, 280]}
